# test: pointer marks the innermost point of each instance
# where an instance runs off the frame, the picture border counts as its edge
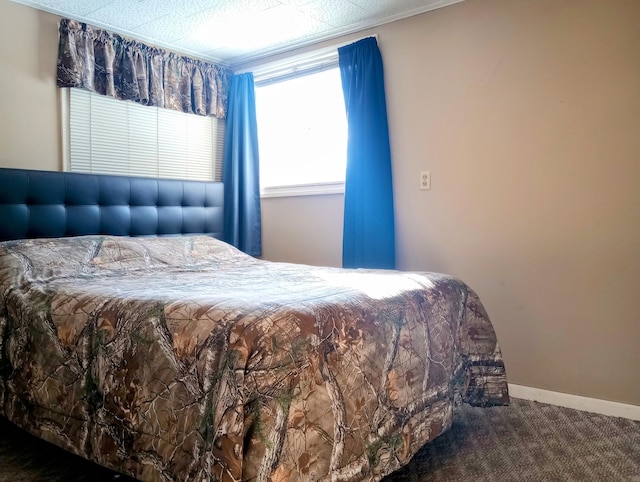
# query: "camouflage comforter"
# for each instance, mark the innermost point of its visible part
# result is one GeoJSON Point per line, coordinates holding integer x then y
{"type": "Point", "coordinates": [184, 359]}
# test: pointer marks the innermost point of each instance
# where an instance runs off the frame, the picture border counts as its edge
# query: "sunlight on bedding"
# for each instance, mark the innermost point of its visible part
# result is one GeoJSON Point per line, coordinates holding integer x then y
{"type": "Point", "coordinates": [378, 286]}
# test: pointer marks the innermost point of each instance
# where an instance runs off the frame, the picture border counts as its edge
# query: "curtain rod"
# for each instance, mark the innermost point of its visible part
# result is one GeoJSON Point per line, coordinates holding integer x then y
{"type": "Point", "coordinates": [311, 54]}
{"type": "Point", "coordinates": [375, 35]}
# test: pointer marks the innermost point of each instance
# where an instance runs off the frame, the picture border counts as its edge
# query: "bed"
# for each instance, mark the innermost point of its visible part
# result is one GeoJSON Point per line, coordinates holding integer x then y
{"type": "Point", "coordinates": [131, 335]}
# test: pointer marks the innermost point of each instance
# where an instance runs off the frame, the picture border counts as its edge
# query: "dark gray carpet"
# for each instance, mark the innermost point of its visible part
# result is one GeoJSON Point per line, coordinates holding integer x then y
{"type": "Point", "coordinates": [526, 441]}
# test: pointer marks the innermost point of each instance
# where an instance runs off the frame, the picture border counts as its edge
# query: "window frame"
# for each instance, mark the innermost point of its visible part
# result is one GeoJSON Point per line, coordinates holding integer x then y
{"type": "Point", "coordinates": [289, 68]}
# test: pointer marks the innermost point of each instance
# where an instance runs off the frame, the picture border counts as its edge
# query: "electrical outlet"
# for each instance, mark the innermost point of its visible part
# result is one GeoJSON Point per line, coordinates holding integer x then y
{"type": "Point", "coordinates": [425, 180]}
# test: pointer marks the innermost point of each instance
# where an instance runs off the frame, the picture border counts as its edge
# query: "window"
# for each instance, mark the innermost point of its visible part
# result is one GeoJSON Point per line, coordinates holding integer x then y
{"type": "Point", "coordinates": [302, 128]}
{"type": "Point", "coordinates": [110, 136]}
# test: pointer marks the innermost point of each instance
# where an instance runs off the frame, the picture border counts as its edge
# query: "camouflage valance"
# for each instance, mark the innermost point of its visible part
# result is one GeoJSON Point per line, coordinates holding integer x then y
{"type": "Point", "coordinates": [106, 63]}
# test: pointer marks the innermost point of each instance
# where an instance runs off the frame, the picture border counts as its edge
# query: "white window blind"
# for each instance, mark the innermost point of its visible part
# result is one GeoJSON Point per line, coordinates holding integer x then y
{"type": "Point", "coordinates": [110, 136]}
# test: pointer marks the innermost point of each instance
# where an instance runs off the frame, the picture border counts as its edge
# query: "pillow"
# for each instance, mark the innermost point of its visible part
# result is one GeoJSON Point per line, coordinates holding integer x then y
{"type": "Point", "coordinates": [53, 258]}
{"type": "Point", "coordinates": [47, 258]}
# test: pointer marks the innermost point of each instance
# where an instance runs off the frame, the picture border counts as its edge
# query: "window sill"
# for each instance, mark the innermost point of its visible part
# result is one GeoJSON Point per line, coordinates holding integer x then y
{"type": "Point", "coordinates": [303, 190]}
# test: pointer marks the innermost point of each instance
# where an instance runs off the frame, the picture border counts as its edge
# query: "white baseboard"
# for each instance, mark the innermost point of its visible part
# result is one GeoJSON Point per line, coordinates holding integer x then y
{"type": "Point", "coordinates": [604, 407]}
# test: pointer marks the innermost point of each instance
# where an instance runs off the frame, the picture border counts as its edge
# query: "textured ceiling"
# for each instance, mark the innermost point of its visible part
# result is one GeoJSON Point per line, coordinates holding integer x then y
{"type": "Point", "coordinates": [233, 31]}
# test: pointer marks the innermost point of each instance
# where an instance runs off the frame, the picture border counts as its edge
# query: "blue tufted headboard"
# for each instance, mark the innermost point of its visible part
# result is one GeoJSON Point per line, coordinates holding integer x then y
{"type": "Point", "coordinates": [47, 204]}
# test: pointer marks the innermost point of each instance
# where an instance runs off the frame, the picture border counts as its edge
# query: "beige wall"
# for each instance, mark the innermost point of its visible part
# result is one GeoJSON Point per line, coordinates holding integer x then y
{"type": "Point", "coordinates": [304, 229]}
{"type": "Point", "coordinates": [29, 111]}
{"type": "Point", "coordinates": [527, 113]}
